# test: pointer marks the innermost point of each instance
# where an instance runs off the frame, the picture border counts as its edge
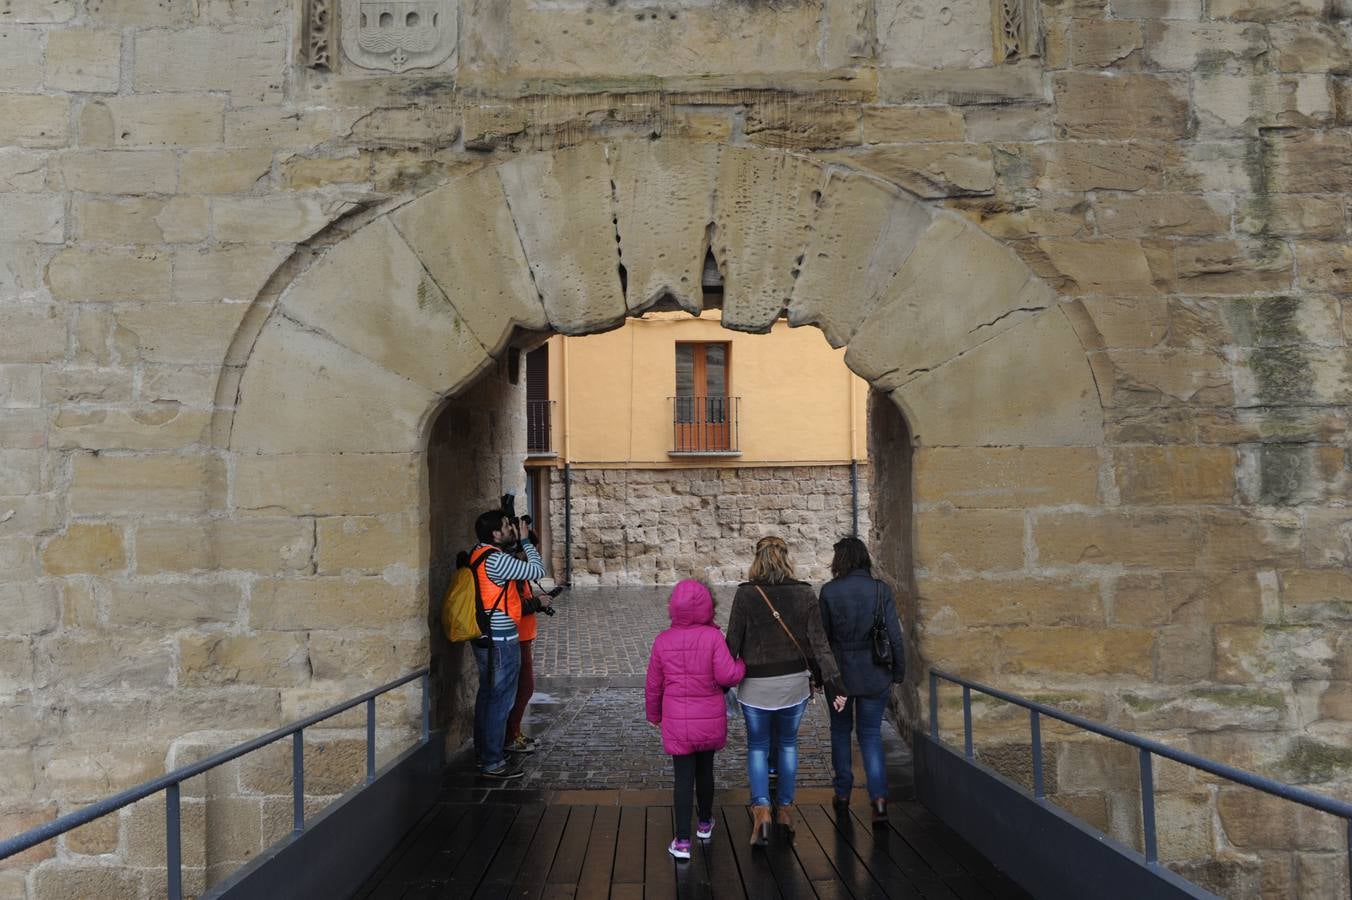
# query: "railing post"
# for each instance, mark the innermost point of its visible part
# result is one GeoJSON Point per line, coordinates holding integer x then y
{"type": "Point", "coordinates": [1349, 857]}
{"type": "Point", "coordinates": [967, 721]}
{"type": "Point", "coordinates": [1148, 808]}
{"type": "Point", "coordinates": [173, 843]}
{"type": "Point", "coordinates": [934, 705]}
{"type": "Point", "coordinates": [371, 740]}
{"type": "Point", "coordinates": [1035, 725]}
{"type": "Point", "coordinates": [426, 708]}
{"type": "Point", "coordinates": [298, 781]}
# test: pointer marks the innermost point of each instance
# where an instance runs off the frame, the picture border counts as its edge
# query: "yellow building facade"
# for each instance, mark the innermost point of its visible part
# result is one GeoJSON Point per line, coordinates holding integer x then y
{"type": "Point", "coordinates": [665, 448]}
{"type": "Point", "coordinates": [617, 402]}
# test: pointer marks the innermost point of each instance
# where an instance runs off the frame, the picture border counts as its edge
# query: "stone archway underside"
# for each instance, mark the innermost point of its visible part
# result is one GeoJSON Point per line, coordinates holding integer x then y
{"type": "Point", "coordinates": [361, 348]}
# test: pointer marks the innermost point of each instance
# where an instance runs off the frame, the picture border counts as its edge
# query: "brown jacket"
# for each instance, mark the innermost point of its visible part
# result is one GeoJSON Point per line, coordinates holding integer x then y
{"type": "Point", "coordinates": [755, 636]}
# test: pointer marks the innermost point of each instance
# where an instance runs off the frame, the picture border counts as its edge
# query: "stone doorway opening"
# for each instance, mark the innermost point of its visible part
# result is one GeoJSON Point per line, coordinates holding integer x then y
{"type": "Point", "coordinates": [485, 441]}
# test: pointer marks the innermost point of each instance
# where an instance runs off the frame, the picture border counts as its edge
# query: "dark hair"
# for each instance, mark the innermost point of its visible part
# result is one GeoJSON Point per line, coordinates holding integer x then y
{"type": "Point", "coordinates": [487, 523]}
{"type": "Point", "coordinates": [851, 554]}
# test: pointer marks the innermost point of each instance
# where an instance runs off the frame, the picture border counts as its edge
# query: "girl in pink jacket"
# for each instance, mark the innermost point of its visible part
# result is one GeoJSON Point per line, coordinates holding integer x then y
{"type": "Point", "coordinates": [688, 671]}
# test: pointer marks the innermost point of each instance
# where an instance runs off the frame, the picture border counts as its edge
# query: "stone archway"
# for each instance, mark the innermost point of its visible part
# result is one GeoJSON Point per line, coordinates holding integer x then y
{"type": "Point", "coordinates": [344, 370]}
{"type": "Point", "coordinates": [931, 309]}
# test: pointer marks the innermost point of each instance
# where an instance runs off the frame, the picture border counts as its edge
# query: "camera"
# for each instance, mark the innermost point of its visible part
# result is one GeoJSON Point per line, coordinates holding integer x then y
{"type": "Point", "coordinates": [523, 523]}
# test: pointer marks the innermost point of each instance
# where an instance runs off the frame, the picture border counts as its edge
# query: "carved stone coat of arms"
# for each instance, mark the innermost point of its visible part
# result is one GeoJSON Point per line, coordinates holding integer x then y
{"type": "Point", "coordinates": [398, 35]}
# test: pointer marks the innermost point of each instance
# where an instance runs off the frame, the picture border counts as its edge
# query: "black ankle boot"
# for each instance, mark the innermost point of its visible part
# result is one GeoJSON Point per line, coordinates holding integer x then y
{"type": "Point", "coordinates": [879, 813]}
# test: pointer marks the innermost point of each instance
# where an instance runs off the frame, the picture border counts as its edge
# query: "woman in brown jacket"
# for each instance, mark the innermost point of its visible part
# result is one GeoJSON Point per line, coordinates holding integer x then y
{"type": "Point", "coordinates": [775, 627]}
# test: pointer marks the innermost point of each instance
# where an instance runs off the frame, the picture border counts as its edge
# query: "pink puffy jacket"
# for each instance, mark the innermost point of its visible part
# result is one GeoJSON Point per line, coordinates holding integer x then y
{"type": "Point", "coordinates": [687, 672]}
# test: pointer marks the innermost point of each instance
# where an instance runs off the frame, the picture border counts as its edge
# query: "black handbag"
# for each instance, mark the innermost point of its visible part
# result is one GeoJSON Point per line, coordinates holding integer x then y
{"type": "Point", "coordinates": [879, 640]}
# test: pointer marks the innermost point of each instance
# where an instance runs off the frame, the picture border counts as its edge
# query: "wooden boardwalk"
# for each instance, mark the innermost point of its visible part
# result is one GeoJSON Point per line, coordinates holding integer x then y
{"type": "Point", "coordinates": [613, 844]}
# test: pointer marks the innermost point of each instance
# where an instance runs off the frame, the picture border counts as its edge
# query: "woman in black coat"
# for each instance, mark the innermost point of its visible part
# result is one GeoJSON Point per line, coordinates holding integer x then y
{"type": "Point", "coordinates": [850, 603]}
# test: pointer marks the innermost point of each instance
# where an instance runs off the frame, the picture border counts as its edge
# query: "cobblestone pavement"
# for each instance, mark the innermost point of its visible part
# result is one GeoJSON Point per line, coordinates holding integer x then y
{"type": "Point", "coordinates": [601, 632]}
{"type": "Point", "coordinates": [588, 708]}
{"type": "Point", "coordinates": [598, 738]}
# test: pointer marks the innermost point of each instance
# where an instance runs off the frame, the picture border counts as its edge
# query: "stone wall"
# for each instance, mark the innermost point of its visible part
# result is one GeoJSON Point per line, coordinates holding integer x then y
{"type": "Point", "coordinates": [1104, 273]}
{"type": "Point", "coordinates": [657, 526]}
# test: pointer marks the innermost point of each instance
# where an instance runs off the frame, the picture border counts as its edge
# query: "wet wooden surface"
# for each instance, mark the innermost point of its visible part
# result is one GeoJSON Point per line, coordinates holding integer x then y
{"type": "Point", "coordinates": [599, 844]}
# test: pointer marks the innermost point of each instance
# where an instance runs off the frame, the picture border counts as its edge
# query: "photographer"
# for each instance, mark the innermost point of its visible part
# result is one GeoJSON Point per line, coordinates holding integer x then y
{"type": "Point", "coordinates": [533, 600]}
{"type": "Point", "coordinates": [500, 576]}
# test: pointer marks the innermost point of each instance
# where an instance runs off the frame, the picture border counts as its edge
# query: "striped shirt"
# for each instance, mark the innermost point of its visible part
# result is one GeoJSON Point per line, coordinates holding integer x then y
{"type": "Point", "coordinates": [502, 569]}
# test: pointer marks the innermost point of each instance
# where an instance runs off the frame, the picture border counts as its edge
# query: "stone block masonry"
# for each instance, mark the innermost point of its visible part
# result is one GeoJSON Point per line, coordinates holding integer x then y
{"type": "Point", "coordinates": [658, 526]}
{"type": "Point", "coordinates": [1104, 275]}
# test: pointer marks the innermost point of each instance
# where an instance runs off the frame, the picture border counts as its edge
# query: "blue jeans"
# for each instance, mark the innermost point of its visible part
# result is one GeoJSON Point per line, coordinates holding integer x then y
{"type": "Point", "coordinates": [760, 725]}
{"type": "Point", "coordinates": [863, 715]}
{"type": "Point", "coordinates": [493, 702]}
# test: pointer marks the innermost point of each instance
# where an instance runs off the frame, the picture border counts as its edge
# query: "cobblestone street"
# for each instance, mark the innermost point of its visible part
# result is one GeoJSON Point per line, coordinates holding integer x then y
{"type": "Point", "coordinates": [607, 632]}
{"type": "Point", "coordinates": [588, 708]}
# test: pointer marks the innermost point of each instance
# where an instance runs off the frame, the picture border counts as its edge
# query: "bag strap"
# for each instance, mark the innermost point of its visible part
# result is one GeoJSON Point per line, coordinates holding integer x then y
{"type": "Point", "coordinates": [878, 603]}
{"type": "Point", "coordinates": [502, 595]}
{"type": "Point", "coordinates": [782, 624]}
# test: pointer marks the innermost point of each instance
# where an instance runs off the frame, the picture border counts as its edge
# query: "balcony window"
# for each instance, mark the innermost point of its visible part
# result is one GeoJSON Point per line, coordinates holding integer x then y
{"type": "Point", "coordinates": [539, 408]}
{"type": "Point", "coordinates": [704, 417]}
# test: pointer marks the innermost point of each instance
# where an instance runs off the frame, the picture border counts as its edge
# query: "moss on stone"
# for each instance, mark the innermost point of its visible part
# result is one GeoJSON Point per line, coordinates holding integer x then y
{"type": "Point", "coordinates": [1241, 697]}
{"type": "Point", "coordinates": [1143, 704]}
{"type": "Point", "coordinates": [1310, 761]}
{"type": "Point", "coordinates": [1284, 470]}
{"type": "Point", "coordinates": [1283, 374]}
{"type": "Point", "coordinates": [1257, 165]}
{"type": "Point", "coordinates": [1057, 699]}
{"type": "Point", "coordinates": [1212, 62]}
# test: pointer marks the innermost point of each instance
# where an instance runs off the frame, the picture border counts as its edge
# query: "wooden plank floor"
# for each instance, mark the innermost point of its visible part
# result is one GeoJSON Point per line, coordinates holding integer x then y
{"type": "Point", "coordinates": [613, 844]}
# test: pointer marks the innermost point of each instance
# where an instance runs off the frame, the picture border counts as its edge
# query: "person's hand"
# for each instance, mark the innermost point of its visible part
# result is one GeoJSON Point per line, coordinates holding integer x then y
{"type": "Point", "coordinates": [838, 704]}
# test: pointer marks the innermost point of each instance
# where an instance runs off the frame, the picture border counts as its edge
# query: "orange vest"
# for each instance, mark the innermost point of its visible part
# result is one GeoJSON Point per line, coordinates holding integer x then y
{"type": "Point", "coordinates": [490, 592]}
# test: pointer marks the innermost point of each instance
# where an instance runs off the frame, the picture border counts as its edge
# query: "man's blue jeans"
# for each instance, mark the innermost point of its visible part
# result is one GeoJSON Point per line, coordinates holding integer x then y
{"type": "Point", "coordinates": [493, 702]}
{"type": "Point", "coordinates": [760, 724]}
{"type": "Point", "coordinates": [863, 715]}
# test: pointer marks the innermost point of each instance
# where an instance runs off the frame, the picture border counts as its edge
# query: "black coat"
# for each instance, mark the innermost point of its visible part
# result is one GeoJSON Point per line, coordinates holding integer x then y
{"type": "Point", "coordinates": [848, 606]}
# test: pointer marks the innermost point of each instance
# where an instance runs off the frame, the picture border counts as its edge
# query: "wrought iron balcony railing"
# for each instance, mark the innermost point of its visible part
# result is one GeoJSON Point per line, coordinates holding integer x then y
{"type": "Point", "coordinates": [539, 427]}
{"type": "Point", "coordinates": [705, 426]}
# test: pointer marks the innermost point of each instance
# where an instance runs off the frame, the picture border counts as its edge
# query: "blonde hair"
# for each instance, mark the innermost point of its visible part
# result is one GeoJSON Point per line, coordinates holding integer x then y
{"type": "Point", "coordinates": [771, 564]}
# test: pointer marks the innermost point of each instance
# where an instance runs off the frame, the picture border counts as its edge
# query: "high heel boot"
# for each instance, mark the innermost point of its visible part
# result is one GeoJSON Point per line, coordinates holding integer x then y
{"type": "Point", "coordinates": [784, 817]}
{"type": "Point", "coordinates": [760, 826]}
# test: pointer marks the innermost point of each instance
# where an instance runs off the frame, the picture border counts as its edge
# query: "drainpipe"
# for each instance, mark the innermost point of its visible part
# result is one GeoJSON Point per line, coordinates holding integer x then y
{"type": "Point", "coordinates": [854, 451]}
{"type": "Point", "coordinates": [567, 523]}
{"type": "Point", "coordinates": [854, 497]}
{"type": "Point", "coordinates": [565, 391]}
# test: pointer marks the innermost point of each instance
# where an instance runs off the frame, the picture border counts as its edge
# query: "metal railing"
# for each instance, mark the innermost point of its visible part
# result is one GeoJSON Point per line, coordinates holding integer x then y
{"type": "Point", "coordinates": [169, 783]}
{"type": "Point", "coordinates": [539, 424]}
{"type": "Point", "coordinates": [1146, 749]}
{"type": "Point", "coordinates": [705, 425]}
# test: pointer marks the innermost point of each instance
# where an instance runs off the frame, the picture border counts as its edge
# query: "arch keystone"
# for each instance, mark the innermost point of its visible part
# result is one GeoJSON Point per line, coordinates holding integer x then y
{"type": "Point", "coordinates": [302, 392]}
{"type": "Point", "coordinates": [664, 195]}
{"type": "Point", "coordinates": [765, 205]}
{"type": "Point", "coordinates": [863, 235]}
{"type": "Point", "coordinates": [464, 235]}
{"type": "Point", "coordinates": [1029, 385]}
{"type": "Point", "coordinates": [371, 294]}
{"type": "Point", "coordinates": [958, 288]}
{"type": "Point", "coordinates": [562, 207]}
